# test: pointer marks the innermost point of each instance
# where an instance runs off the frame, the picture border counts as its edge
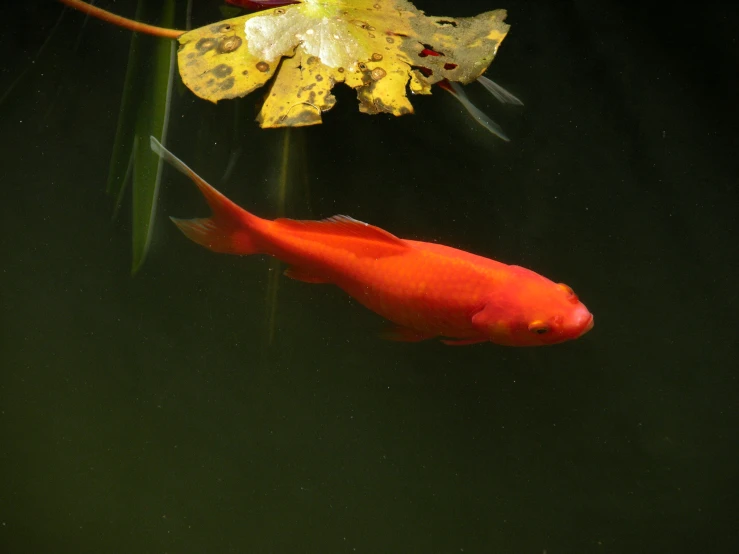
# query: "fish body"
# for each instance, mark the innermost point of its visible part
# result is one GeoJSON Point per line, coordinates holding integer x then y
{"type": "Point", "coordinates": [427, 290]}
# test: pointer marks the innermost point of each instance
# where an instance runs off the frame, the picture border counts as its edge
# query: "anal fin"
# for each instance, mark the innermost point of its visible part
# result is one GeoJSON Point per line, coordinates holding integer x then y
{"type": "Point", "coordinates": [305, 275]}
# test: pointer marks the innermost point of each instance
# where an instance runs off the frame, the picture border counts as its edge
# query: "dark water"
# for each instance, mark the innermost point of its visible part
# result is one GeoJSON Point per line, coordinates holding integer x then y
{"type": "Point", "coordinates": [155, 414]}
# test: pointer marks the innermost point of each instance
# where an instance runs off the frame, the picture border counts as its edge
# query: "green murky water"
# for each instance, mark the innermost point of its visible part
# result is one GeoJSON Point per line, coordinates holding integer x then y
{"type": "Point", "coordinates": [178, 411]}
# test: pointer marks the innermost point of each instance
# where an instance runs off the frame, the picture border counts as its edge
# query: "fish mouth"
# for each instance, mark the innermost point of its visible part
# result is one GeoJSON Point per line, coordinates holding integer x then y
{"type": "Point", "coordinates": [589, 325]}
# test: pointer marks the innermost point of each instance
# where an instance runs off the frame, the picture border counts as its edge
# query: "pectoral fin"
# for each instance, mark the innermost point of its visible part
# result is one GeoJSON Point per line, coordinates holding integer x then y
{"type": "Point", "coordinates": [399, 333]}
{"type": "Point", "coordinates": [462, 342]}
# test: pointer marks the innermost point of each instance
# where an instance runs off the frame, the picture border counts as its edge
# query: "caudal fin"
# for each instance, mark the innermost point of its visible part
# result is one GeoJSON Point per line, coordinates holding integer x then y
{"type": "Point", "coordinates": [228, 230]}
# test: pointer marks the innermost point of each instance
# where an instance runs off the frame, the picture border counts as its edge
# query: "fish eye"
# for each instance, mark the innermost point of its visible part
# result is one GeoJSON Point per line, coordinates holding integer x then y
{"type": "Point", "coordinates": [538, 327]}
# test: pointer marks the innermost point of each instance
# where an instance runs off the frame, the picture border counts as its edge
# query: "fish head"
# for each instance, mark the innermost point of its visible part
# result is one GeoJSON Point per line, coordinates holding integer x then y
{"type": "Point", "coordinates": [530, 310]}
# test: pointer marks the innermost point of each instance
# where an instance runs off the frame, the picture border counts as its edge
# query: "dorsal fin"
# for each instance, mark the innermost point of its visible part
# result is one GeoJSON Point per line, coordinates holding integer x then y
{"type": "Point", "coordinates": [342, 225]}
{"type": "Point", "coordinates": [376, 241]}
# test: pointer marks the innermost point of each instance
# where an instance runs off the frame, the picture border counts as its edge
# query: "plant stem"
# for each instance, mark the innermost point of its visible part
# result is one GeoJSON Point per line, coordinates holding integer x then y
{"type": "Point", "coordinates": [123, 21]}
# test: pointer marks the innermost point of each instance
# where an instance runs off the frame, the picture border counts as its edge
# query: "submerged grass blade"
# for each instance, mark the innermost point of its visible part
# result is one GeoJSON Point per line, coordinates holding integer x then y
{"type": "Point", "coordinates": [124, 134]}
{"type": "Point", "coordinates": [40, 51]}
{"type": "Point", "coordinates": [144, 112]}
{"type": "Point", "coordinates": [273, 284]}
{"type": "Point", "coordinates": [152, 120]}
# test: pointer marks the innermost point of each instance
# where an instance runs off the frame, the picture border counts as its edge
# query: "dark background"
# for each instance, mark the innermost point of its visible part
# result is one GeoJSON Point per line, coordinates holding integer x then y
{"type": "Point", "coordinates": [155, 414]}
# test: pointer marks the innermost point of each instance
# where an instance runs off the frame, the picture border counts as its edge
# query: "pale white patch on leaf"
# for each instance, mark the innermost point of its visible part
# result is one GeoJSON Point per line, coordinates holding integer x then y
{"type": "Point", "coordinates": [341, 51]}
{"type": "Point", "coordinates": [269, 37]}
{"type": "Point", "coordinates": [328, 37]}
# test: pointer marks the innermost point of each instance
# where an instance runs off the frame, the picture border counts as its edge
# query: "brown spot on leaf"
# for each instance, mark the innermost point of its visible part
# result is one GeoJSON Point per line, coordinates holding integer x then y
{"type": "Point", "coordinates": [222, 70]}
{"type": "Point", "coordinates": [378, 73]}
{"type": "Point", "coordinates": [205, 44]}
{"type": "Point", "coordinates": [263, 67]}
{"type": "Point", "coordinates": [382, 106]}
{"type": "Point", "coordinates": [319, 77]}
{"type": "Point", "coordinates": [376, 57]}
{"type": "Point", "coordinates": [229, 44]}
{"type": "Point", "coordinates": [390, 40]}
{"type": "Point", "coordinates": [227, 84]}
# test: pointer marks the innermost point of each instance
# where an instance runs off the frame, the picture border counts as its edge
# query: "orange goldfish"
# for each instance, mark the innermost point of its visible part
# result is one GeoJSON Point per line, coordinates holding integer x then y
{"type": "Point", "coordinates": [427, 290]}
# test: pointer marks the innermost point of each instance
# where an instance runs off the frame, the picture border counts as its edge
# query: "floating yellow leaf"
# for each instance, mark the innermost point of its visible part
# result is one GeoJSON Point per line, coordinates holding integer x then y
{"type": "Point", "coordinates": [378, 47]}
